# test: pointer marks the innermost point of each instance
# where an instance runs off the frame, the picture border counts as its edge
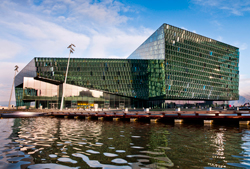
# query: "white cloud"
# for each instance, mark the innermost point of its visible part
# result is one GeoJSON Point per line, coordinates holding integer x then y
{"type": "Point", "coordinates": [207, 2]}
{"type": "Point", "coordinates": [117, 43]}
{"type": "Point", "coordinates": [44, 38]}
{"type": "Point", "coordinates": [106, 12]}
{"type": "Point", "coordinates": [43, 35]}
{"type": "Point", "coordinates": [238, 7]}
{"type": "Point", "coordinates": [220, 38]}
{"type": "Point", "coordinates": [241, 46]}
{"type": "Point", "coordinates": [9, 49]}
{"type": "Point", "coordinates": [244, 46]}
{"type": "Point", "coordinates": [216, 23]}
{"type": "Point", "coordinates": [232, 10]}
{"type": "Point", "coordinates": [96, 28]}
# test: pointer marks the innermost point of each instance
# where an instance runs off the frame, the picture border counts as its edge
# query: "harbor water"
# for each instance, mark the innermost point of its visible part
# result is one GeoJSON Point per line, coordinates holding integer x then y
{"type": "Point", "coordinates": [56, 143]}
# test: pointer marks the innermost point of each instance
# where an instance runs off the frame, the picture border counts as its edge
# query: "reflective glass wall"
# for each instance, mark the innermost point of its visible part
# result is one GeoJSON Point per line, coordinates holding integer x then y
{"type": "Point", "coordinates": [198, 67]}
{"type": "Point", "coordinates": [152, 48]}
{"type": "Point", "coordinates": [28, 71]}
{"type": "Point", "coordinates": [117, 76]}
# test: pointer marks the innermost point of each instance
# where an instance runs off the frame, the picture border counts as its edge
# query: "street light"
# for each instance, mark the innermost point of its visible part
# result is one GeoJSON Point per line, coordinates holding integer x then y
{"type": "Point", "coordinates": [70, 51]}
{"type": "Point", "coordinates": [16, 70]}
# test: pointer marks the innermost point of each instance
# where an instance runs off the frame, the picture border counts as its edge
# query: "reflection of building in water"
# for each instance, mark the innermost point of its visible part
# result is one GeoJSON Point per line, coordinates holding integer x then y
{"type": "Point", "coordinates": [218, 142]}
{"type": "Point", "coordinates": [172, 67]}
{"type": "Point", "coordinates": [246, 142]}
{"type": "Point", "coordinates": [226, 144]}
{"type": "Point", "coordinates": [11, 152]}
{"type": "Point", "coordinates": [245, 152]}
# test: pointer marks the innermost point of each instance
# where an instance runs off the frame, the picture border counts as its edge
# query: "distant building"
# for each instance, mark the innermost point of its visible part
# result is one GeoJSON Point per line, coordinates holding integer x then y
{"type": "Point", "coordinates": [172, 67]}
{"type": "Point", "coordinates": [6, 107]}
{"type": "Point", "coordinates": [3, 107]}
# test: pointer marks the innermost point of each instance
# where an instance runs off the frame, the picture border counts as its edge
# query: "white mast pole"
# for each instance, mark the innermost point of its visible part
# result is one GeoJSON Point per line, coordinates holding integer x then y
{"type": "Point", "coordinates": [16, 70]}
{"type": "Point", "coordinates": [71, 51]}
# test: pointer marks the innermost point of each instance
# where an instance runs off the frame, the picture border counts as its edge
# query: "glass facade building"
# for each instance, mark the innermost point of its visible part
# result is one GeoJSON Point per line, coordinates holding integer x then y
{"type": "Point", "coordinates": [173, 66]}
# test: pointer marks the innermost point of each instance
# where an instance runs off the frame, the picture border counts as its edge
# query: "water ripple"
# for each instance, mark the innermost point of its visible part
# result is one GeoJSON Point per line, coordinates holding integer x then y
{"type": "Point", "coordinates": [44, 142]}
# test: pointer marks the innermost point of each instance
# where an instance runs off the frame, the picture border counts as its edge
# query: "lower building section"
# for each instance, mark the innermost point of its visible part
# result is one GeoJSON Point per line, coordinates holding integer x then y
{"type": "Point", "coordinates": [164, 104]}
{"type": "Point", "coordinates": [48, 94]}
{"type": "Point", "coordinates": [75, 104]}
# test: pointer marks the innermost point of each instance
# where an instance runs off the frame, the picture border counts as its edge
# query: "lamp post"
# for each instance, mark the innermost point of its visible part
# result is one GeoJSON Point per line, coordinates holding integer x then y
{"type": "Point", "coordinates": [16, 70]}
{"type": "Point", "coordinates": [70, 51]}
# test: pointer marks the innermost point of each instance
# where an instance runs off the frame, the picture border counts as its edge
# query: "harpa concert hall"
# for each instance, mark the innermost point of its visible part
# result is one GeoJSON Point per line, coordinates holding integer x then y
{"type": "Point", "coordinates": [172, 67]}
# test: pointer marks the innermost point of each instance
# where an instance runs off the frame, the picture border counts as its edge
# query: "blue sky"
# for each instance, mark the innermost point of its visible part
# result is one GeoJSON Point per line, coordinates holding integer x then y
{"type": "Point", "coordinates": [109, 29]}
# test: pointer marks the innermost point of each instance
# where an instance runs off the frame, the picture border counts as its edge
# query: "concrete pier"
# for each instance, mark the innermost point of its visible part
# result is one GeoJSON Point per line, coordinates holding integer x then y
{"type": "Point", "coordinates": [178, 121]}
{"type": "Point", "coordinates": [116, 119]}
{"type": "Point", "coordinates": [208, 121]}
{"type": "Point", "coordinates": [133, 119]}
{"type": "Point", "coordinates": [87, 117]}
{"type": "Point", "coordinates": [153, 120]}
{"type": "Point", "coordinates": [244, 122]}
